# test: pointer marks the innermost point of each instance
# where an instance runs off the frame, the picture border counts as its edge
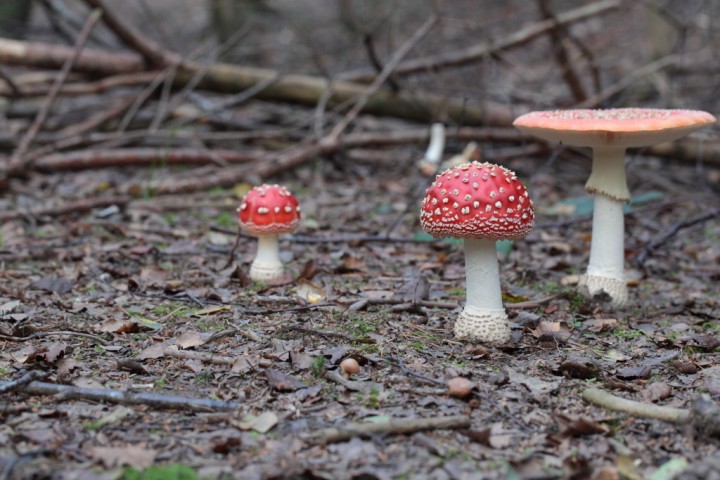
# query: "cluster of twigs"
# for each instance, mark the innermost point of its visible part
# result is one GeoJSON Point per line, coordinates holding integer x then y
{"type": "Point", "coordinates": [128, 130]}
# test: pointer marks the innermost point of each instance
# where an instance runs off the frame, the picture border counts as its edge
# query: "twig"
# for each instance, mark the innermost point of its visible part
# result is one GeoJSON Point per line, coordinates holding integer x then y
{"type": "Point", "coordinates": [41, 334]}
{"type": "Point", "coordinates": [17, 163]}
{"type": "Point", "coordinates": [636, 75]}
{"type": "Point", "coordinates": [24, 380]}
{"type": "Point", "coordinates": [404, 49]}
{"type": "Point", "coordinates": [604, 399]}
{"type": "Point", "coordinates": [201, 356]}
{"type": "Point", "coordinates": [144, 157]}
{"type": "Point", "coordinates": [14, 88]}
{"type": "Point", "coordinates": [325, 334]}
{"type": "Point", "coordinates": [562, 57]}
{"type": "Point", "coordinates": [77, 206]}
{"type": "Point", "coordinates": [154, 55]}
{"type": "Point", "coordinates": [392, 426]}
{"type": "Point", "coordinates": [477, 52]}
{"type": "Point", "coordinates": [292, 88]}
{"type": "Point", "coordinates": [125, 397]}
{"type": "Point", "coordinates": [672, 231]}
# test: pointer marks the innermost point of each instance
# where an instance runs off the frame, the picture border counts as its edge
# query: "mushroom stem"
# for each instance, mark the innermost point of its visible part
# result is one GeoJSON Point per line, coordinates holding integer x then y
{"type": "Point", "coordinates": [483, 319]}
{"type": "Point", "coordinates": [431, 160]}
{"type": "Point", "coordinates": [608, 173]}
{"type": "Point", "coordinates": [482, 274]}
{"type": "Point", "coordinates": [267, 264]}
{"type": "Point", "coordinates": [606, 269]}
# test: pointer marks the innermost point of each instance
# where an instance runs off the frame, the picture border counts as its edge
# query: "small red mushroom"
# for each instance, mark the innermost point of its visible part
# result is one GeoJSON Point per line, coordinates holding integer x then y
{"type": "Point", "coordinates": [480, 203]}
{"type": "Point", "coordinates": [265, 212]}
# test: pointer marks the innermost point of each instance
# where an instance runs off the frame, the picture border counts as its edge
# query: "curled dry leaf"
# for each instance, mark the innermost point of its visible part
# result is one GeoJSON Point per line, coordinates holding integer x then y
{"type": "Point", "coordinates": [460, 387]}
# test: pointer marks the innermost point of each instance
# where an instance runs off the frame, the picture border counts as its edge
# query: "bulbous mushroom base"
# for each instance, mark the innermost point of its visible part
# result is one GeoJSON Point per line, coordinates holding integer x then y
{"type": "Point", "coordinates": [481, 325]}
{"type": "Point", "coordinates": [265, 271]}
{"type": "Point", "coordinates": [604, 289]}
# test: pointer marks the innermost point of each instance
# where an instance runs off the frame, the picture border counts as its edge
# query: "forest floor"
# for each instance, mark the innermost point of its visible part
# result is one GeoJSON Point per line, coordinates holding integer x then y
{"type": "Point", "coordinates": [114, 298]}
{"type": "Point", "coordinates": [160, 356]}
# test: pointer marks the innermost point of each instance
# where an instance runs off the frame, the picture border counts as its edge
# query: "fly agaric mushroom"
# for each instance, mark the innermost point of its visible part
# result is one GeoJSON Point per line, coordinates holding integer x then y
{"type": "Point", "coordinates": [265, 212]}
{"type": "Point", "coordinates": [480, 203]}
{"type": "Point", "coordinates": [609, 132]}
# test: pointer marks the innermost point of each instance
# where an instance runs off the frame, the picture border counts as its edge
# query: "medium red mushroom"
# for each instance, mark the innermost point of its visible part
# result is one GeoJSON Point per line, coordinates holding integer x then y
{"type": "Point", "coordinates": [265, 212]}
{"type": "Point", "coordinates": [609, 132]}
{"type": "Point", "coordinates": [480, 203]}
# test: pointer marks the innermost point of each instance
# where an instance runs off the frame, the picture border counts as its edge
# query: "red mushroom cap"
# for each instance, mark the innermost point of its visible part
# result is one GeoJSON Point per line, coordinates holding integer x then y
{"type": "Point", "coordinates": [269, 209]}
{"type": "Point", "coordinates": [477, 200]}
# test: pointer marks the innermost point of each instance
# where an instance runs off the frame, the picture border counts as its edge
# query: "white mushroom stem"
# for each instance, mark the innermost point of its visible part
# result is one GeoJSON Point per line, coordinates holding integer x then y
{"type": "Point", "coordinates": [608, 184]}
{"type": "Point", "coordinates": [483, 319]}
{"type": "Point", "coordinates": [608, 173]}
{"type": "Point", "coordinates": [430, 162]}
{"type": "Point", "coordinates": [267, 265]}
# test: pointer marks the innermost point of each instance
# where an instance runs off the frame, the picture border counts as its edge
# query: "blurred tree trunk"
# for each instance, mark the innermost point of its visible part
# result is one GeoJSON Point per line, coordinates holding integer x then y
{"type": "Point", "coordinates": [14, 17]}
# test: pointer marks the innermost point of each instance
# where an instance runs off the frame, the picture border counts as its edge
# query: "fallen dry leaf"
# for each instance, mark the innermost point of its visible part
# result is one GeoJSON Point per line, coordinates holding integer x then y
{"type": "Point", "coordinates": [283, 382]}
{"type": "Point", "coordinates": [136, 456]}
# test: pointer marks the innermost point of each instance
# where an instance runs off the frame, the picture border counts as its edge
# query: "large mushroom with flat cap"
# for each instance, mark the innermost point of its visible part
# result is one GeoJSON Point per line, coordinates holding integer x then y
{"type": "Point", "coordinates": [266, 212]}
{"type": "Point", "coordinates": [609, 132]}
{"type": "Point", "coordinates": [480, 203]}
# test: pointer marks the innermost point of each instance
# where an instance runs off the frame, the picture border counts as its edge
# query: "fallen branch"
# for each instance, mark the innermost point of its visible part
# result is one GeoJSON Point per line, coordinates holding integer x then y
{"type": "Point", "coordinates": [607, 400]}
{"type": "Point", "coordinates": [124, 397]}
{"type": "Point", "coordinates": [78, 206]}
{"type": "Point", "coordinates": [17, 164]}
{"type": "Point", "coordinates": [661, 240]}
{"type": "Point", "coordinates": [125, 157]}
{"type": "Point", "coordinates": [292, 88]}
{"type": "Point", "coordinates": [393, 426]}
{"type": "Point", "coordinates": [24, 380]}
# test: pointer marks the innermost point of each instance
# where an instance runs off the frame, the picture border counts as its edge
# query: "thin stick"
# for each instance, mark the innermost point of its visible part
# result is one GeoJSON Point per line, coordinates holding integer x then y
{"type": "Point", "coordinates": [151, 51]}
{"type": "Point", "coordinates": [125, 397]}
{"type": "Point", "coordinates": [649, 248]}
{"type": "Point", "coordinates": [476, 52]}
{"type": "Point", "coordinates": [601, 398]}
{"type": "Point", "coordinates": [24, 380]}
{"type": "Point", "coordinates": [16, 162]}
{"type": "Point", "coordinates": [78, 206]}
{"type": "Point", "coordinates": [394, 426]}
{"type": "Point", "coordinates": [380, 79]}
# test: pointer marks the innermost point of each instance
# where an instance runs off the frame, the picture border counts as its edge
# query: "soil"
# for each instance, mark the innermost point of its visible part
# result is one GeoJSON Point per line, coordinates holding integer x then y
{"type": "Point", "coordinates": [144, 298]}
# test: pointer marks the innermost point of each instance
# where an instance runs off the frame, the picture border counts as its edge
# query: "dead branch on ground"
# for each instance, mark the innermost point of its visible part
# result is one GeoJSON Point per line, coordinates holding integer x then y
{"type": "Point", "coordinates": [607, 400]}
{"type": "Point", "coordinates": [392, 426]}
{"type": "Point", "coordinates": [124, 397]}
{"type": "Point", "coordinates": [17, 164]}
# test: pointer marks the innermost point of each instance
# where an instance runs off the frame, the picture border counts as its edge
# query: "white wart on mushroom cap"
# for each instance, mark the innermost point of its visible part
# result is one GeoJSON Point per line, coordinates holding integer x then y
{"type": "Point", "coordinates": [477, 200]}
